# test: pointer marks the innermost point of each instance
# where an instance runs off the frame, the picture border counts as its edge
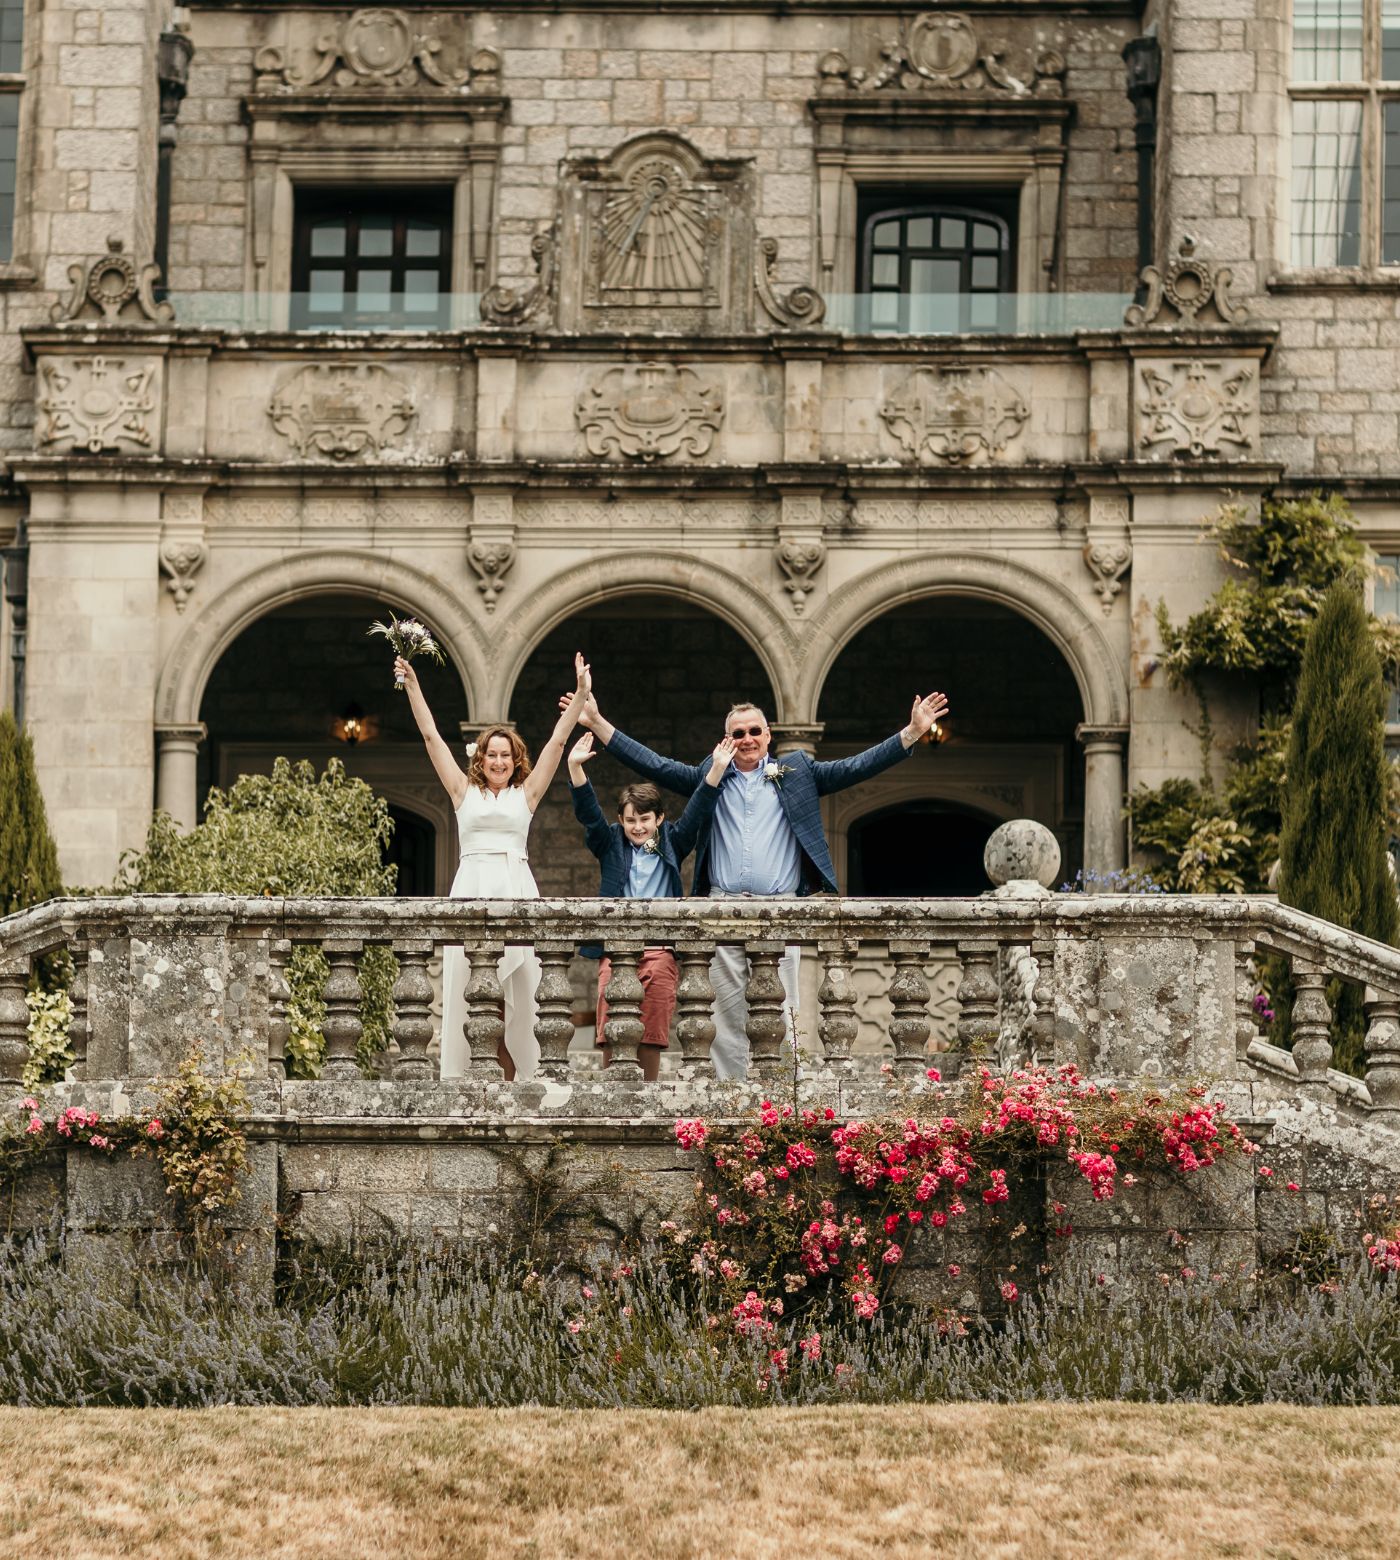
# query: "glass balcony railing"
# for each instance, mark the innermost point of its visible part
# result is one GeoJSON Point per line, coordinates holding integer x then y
{"type": "Point", "coordinates": [847, 314]}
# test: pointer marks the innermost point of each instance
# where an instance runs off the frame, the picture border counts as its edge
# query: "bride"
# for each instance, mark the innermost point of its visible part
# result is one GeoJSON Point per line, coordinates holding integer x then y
{"type": "Point", "coordinates": [495, 800]}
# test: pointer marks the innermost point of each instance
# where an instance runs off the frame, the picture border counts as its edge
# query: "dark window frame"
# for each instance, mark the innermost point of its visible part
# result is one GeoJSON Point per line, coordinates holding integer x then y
{"type": "Point", "coordinates": [354, 205]}
{"type": "Point", "coordinates": [997, 208]}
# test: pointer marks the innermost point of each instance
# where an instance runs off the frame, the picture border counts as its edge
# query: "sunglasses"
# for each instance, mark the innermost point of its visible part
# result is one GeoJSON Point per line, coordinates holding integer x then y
{"type": "Point", "coordinates": [746, 731]}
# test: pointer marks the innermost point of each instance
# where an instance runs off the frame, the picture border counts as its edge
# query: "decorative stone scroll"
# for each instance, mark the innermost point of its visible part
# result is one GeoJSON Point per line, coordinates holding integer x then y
{"type": "Point", "coordinates": [1190, 291]}
{"type": "Point", "coordinates": [1108, 562]}
{"type": "Point", "coordinates": [377, 47]}
{"type": "Point", "coordinates": [113, 289]}
{"type": "Point", "coordinates": [341, 411]}
{"type": "Point", "coordinates": [491, 561]}
{"type": "Point", "coordinates": [649, 412]}
{"type": "Point", "coordinates": [800, 562]}
{"type": "Point", "coordinates": [941, 52]}
{"type": "Point", "coordinates": [97, 404]}
{"type": "Point", "coordinates": [180, 561]}
{"type": "Point", "coordinates": [507, 304]}
{"type": "Point", "coordinates": [800, 306]}
{"type": "Point", "coordinates": [955, 415]}
{"type": "Point", "coordinates": [1196, 408]}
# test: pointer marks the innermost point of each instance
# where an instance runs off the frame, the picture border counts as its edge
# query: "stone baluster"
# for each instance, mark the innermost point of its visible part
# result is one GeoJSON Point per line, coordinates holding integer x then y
{"type": "Point", "coordinates": [977, 1004]}
{"type": "Point", "coordinates": [554, 1024]}
{"type": "Point", "coordinates": [1383, 1049]}
{"type": "Point", "coordinates": [1246, 1023]}
{"type": "Point", "coordinates": [413, 1011]}
{"type": "Point", "coordinates": [766, 1026]}
{"type": "Point", "coordinates": [279, 994]}
{"type": "Point", "coordinates": [695, 998]}
{"type": "Point", "coordinates": [1312, 1023]}
{"type": "Point", "coordinates": [836, 997]}
{"type": "Point", "coordinates": [486, 1020]}
{"type": "Point", "coordinates": [80, 1023]}
{"type": "Point", "coordinates": [908, 993]}
{"type": "Point", "coordinates": [14, 1029]}
{"type": "Point", "coordinates": [623, 994]}
{"type": "Point", "coordinates": [342, 1026]}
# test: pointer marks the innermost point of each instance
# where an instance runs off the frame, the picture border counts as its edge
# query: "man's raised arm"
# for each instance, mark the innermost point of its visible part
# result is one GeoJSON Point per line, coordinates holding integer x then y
{"type": "Point", "coordinates": [838, 774]}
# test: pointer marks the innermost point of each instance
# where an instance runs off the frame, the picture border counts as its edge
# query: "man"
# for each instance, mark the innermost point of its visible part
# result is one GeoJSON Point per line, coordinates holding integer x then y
{"type": "Point", "coordinates": [766, 837]}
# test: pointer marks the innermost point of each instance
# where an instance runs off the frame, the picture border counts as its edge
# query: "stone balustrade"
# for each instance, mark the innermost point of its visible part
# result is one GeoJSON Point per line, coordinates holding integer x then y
{"type": "Point", "coordinates": [1119, 986]}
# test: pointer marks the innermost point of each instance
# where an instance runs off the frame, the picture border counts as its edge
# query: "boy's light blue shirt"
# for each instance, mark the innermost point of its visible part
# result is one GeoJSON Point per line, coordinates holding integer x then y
{"type": "Point", "coordinates": [646, 874]}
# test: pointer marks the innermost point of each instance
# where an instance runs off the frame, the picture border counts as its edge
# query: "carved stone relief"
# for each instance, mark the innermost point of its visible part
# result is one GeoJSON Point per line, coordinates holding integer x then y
{"type": "Point", "coordinates": [1108, 562]}
{"type": "Point", "coordinates": [1197, 408]}
{"type": "Point", "coordinates": [491, 561]}
{"type": "Point", "coordinates": [661, 514]}
{"type": "Point", "coordinates": [954, 415]}
{"type": "Point", "coordinates": [113, 288]}
{"type": "Point", "coordinates": [937, 514]}
{"type": "Point", "coordinates": [800, 562]}
{"type": "Point", "coordinates": [341, 411]}
{"type": "Point", "coordinates": [516, 304]}
{"type": "Point", "coordinates": [98, 403]}
{"type": "Point", "coordinates": [799, 306]}
{"type": "Point", "coordinates": [1189, 291]}
{"type": "Point", "coordinates": [376, 47]}
{"type": "Point", "coordinates": [180, 561]}
{"type": "Point", "coordinates": [649, 412]}
{"type": "Point", "coordinates": [942, 51]}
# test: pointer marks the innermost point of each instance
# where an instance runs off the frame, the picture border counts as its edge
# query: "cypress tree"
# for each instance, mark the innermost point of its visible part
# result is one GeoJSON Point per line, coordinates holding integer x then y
{"type": "Point", "coordinates": [1334, 848]}
{"type": "Point", "coordinates": [28, 857]}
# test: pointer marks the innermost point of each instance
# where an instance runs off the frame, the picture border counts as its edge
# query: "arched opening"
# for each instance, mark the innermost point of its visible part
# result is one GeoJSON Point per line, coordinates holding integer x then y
{"type": "Point", "coordinates": [1009, 746]}
{"type": "Point", "coordinates": [666, 672]}
{"type": "Point", "coordinates": [305, 681]}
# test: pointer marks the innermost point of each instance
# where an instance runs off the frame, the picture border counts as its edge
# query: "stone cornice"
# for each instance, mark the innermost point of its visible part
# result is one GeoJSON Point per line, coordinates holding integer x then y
{"type": "Point", "coordinates": [992, 9]}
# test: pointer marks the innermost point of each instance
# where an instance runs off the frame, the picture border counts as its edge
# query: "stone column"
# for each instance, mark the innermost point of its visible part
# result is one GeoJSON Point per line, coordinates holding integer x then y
{"type": "Point", "coordinates": [1104, 846]}
{"type": "Point", "coordinates": [797, 739]}
{"type": "Point", "coordinates": [177, 759]}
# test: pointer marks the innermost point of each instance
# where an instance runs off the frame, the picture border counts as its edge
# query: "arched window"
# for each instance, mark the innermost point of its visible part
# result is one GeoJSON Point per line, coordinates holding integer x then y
{"type": "Point", "coordinates": [933, 267]}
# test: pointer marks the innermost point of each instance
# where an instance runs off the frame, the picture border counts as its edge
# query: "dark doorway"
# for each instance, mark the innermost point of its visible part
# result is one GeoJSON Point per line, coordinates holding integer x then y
{"type": "Point", "coordinates": [918, 850]}
{"type": "Point", "coordinates": [412, 848]}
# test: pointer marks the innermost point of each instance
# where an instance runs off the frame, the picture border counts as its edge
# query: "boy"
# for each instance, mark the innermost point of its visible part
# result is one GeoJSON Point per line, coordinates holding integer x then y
{"type": "Point", "coordinates": [641, 857]}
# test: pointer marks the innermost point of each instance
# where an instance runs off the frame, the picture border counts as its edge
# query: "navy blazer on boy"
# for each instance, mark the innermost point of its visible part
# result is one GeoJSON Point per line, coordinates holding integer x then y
{"type": "Point", "coordinates": [609, 842]}
{"type": "Point", "coordinates": [802, 785]}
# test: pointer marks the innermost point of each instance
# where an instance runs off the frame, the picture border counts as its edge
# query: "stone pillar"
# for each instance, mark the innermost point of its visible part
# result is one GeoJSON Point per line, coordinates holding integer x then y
{"type": "Point", "coordinates": [177, 759]}
{"type": "Point", "coordinates": [797, 739]}
{"type": "Point", "coordinates": [1104, 846]}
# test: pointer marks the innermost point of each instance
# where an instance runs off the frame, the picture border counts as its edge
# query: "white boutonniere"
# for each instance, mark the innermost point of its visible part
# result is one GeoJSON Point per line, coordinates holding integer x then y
{"type": "Point", "coordinates": [653, 846]}
{"type": "Point", "coordinates": [775, 773]}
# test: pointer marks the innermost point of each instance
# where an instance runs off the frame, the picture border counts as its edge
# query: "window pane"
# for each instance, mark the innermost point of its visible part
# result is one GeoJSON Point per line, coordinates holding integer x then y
{"type": "Point", "coordinates": [884, 270]}
{"type": "Point", "coordinates": [934, 276]}
{"type": "Point", "coordinates": [1387, 605]}
{"type": "Point", "coordinates": [982, 311]}
{"type": "Point", "coordinates": [985, 236]}
{"type": "Point", "coordinates": [886, 235]}
{"type": "Point", "coordinates": [954, 233]}
{"type": "Point", "coordinates": [9, 136]}
{"type": "Point", "coordinates": [327, 292]}
{"type": "Point", "coordinates": [920, 234]}
{"type": "Point", "coordinates": [1390, 196]}
{"type": "Point", "coordinates": [420, 291]}
{"type": "Point", "coordinates": [1390, 40]}
{"type": "Point", "coordinates": [376, 236]}
{"type": "Point", "coordinates": [884, 309]}
{"type": "Point", "coordinates": [11, 35]}
{"type": "Point", "coordinates": [423, 238]}
{"type": "Point", "coordinates": [986, 271]}
{"type": "Point", "coordinates": [1327, 40]}
{"type": "Point", "coordinates": [328, 238]}
{"type": "Point", "coordinates": [374, 292]}
{"type": "Point", "coordinates": [1327, 183]}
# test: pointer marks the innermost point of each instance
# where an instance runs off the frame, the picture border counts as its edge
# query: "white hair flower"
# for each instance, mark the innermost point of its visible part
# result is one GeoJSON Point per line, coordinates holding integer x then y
{"type": "Point", "coordinates": [471, 750]}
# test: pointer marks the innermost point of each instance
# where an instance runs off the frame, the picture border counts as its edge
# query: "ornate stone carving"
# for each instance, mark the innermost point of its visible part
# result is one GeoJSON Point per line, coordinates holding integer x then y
{"type": "Point", "coordinates": [511, 304]}
{"type": "Point", "coordinates": [941, 51]}
{"type": "Point", "coordinates": [801, 305]}
{"type": "Point", "coordinates": [800, 562]}
{"type": "Point", "coordinates": [180, 561]}
{"type": "Point", "coordinates": [1191, 291]}
{"type": "Point", "coordinates": [97, 403]}
{"type": "Point", "coordinates": [1108, 562]}
{"type": "Point", "coordinates": [650, 412]}
{"type": "Point", "coordinates": [491, 561]}
{"type": "Point", "coordinates": [1196, 408]}
{"type": "Point", "coordinates": [974, 513]}
{"type": "Point", "coordinates": [955, 415]}
{"type": "Point", "coordinates": [669, 516]}
{"type": "Point", "coordinates": [113, 288]}
{"type": "Point", "coordinates": [377, 47]}
{"type": "Point", "coordinates": [341, 410]}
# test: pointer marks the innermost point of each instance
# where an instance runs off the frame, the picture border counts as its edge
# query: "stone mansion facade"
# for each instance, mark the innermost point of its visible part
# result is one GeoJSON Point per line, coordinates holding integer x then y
{"type": "Point", "coordinates": [816, 353]}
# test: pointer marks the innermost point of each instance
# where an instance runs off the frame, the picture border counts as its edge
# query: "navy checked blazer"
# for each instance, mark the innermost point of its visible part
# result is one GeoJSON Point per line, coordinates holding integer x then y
{"type": "Point", "coordinates": [802, 788]}
{"type": "Point", "coordinates": [609, 842]}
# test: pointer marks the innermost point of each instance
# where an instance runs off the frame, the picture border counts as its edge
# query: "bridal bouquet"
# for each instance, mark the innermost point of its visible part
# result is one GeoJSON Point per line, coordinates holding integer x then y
{"type": "Point", "coordinates": [408, 637]}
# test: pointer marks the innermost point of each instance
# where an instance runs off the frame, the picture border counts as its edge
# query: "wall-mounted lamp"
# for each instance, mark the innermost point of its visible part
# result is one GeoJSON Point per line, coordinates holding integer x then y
{"type": "Point", "coordinates": [352, 726]}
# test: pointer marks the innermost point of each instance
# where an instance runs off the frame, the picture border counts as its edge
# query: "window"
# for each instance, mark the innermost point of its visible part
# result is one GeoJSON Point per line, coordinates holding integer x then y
{"type": "Point", "coordinates": [11, 86]}
{"type": "Point", "coordinates": [1346, 132]}
{"type": "Point", "coordinates": [934, 266]}
{"type": "Point", "coordinates": [372, 262]}
{"type": "Point", "coordinates": [1386, 604]}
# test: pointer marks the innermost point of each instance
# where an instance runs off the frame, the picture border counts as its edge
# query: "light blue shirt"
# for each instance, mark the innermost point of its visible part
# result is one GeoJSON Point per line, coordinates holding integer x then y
{"type": "Point", "coordinates": [646, 874]}
{"type": "Point", "coordinates": [752, 847]}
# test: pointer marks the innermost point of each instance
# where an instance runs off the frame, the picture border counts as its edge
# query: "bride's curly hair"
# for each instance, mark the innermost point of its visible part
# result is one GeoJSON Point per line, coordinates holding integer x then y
{"type": "Point", "coordinates": [476, 770]}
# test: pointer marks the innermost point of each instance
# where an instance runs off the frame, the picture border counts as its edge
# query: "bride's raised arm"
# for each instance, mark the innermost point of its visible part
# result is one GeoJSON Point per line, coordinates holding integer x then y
{"type": "Point", "coordinates": [538, 781]}
{"type": "Point", "coordinates": [453, 780]}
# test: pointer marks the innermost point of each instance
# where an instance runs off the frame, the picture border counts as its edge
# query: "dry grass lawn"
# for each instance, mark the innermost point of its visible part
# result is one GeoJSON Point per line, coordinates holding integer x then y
{"type": "Point", "coordinates": [1111, 1480]}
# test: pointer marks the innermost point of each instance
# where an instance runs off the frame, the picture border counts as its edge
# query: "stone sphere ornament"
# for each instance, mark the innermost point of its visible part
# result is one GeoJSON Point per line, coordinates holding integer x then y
{"type": "Point", "coordinates": [1022, 859]}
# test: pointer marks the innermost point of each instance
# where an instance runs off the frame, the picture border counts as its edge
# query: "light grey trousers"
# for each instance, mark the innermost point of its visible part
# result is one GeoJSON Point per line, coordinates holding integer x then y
{"type": "Point", "coordinates": [729, 974]}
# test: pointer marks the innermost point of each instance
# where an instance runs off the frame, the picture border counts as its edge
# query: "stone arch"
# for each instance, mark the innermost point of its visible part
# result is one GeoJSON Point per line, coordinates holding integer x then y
{"type": "Point", "coordinates": [196, 652]}
{"type": "Point", "coordinates": [1050, 606]}
{"type": "Point", "coordinates": [732, 599]}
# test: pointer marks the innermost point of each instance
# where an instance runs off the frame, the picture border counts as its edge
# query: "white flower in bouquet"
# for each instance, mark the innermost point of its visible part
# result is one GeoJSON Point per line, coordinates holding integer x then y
{"type": "Point", "coordinates": [408, 638]}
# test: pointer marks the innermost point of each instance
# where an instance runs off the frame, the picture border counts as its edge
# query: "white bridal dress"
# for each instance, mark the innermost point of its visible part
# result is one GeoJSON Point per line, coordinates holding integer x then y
{"type": "Point", "coordinates": [492, 829]}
